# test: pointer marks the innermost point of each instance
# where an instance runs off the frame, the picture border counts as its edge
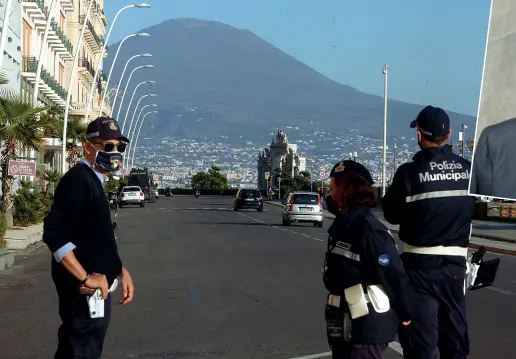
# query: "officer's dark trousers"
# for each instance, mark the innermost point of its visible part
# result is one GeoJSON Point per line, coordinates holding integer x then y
{"type": "Point", "coordinates": [439, 315]}
{"type": "Point", "coordinates": [79, 335]}
{"type": "Point", "coordinates": [357, 351]}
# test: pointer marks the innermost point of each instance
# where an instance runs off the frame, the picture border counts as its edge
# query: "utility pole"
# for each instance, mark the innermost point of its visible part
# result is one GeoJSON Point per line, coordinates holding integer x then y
{"type": "Point", "coordinates": [395, 164]}
{"type": "Point", "coordinates": [462, 136]}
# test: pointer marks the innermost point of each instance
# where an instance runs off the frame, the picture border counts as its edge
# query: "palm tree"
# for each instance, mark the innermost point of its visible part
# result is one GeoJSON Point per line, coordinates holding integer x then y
{"type": "Point", "coordinates": [75, 136]}
{"type": "Point", "coordinates": [20, 129]}
{"type": "Point", "coordinates": [52, 178]}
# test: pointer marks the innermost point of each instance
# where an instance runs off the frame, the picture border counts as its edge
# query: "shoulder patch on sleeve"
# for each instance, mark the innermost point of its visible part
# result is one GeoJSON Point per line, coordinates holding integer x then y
{"type": "Point", "coordinates": [384, 260]}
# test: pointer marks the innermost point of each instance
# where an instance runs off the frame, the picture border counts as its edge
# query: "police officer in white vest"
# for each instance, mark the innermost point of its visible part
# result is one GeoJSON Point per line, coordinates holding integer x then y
{"type": "Point", "coordinates": [370, 293]}
{"type": "Point", "coordinates": [429, 200]}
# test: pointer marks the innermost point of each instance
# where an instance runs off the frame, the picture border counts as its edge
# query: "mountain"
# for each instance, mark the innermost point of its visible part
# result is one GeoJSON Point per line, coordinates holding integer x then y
{"type": "Point", "coordinates": [216, 80]}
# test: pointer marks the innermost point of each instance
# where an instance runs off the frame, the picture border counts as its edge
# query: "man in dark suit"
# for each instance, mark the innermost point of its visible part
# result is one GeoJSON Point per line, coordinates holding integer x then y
{"type": "Point", "coordinates": [494, 173]}
{"type": "Point", "coordinates": [79, 233]}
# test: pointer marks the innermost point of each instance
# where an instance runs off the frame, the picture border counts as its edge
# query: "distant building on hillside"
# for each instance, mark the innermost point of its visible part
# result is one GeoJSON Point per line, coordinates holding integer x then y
{"type": "Point", "coordinates": [281, 156]}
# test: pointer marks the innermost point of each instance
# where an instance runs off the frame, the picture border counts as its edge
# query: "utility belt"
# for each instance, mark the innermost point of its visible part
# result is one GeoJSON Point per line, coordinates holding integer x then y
{"type": "Point", "coordinates": [357, 299]}
{"type": "Point", "coordinates": [437, 250]}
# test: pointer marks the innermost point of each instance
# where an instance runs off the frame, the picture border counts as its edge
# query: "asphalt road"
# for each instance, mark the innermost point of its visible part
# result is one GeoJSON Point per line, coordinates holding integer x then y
{"type": "Point", "coordinates": [213, 283]}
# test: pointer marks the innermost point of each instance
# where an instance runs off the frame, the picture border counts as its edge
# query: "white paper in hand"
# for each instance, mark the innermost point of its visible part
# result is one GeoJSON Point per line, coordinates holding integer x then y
{"type": "Point", "coordinates": [96, 305]}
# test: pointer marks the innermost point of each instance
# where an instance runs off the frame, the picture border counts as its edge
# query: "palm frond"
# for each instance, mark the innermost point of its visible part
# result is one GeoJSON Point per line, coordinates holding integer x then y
{"type": "Point", "coordinates": [3, 78]}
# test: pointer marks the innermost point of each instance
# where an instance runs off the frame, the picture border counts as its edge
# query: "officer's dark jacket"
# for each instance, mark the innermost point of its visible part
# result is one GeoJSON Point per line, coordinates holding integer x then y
{"type": "Point", "coordinates": [494, 173]}
{"type": "Point", "coordinates": [80, 214]}
{"type": "Point", "coordinates": [429, 199]}
{"type": "Point", "coordinates": [359, 246]}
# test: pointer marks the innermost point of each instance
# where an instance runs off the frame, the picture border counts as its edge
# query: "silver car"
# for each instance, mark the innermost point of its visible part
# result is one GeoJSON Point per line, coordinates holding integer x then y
{"type": "Point", "coordinates": [303, 207]}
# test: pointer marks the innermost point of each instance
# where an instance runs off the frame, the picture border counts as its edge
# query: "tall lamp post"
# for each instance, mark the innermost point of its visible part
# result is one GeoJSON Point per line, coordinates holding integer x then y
{"type": "Point", "coordinates": [70, 84]}
{"type": "Point", "coordinates": [135, 110]}
{"type": "Point", "coordinates": [41, 57]}
{"type": "Point", "coordinates": [384, 155]}
{"type": "Point", "coordinates": [131, 101]}
{"type": "Point", "coordinates": [139, 34]}
{"type": "Point", "coordinates": [122, 77]}
{"type": "Point", "coordinates": [97, 69]}
{"type": "Point", "coordinates": [126, 87]}
{"type": "Point", "coordinates": [138, 135]}
{"type": "Point", "coordinates": [5, 27]}
{"type": "Point", "coordinates": [134, 130]}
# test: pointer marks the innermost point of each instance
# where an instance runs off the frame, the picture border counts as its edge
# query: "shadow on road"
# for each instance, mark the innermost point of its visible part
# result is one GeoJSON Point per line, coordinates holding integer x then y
{"type": "Point", "coordinates": [228, 223]}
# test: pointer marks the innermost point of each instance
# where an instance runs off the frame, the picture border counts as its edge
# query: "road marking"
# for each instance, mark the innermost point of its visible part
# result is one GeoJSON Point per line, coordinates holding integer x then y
{"type": "Point", "coordinates": [394, 346]}
{"type": "Point", "coordinates": [502, 291]}
{"type": "Point", "coordinates": [320, 355]}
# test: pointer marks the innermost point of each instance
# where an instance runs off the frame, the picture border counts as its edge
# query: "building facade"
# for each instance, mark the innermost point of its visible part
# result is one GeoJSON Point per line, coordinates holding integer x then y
{"type": "Point", "coordinates": [67, 18]}
{"type": "Point", "coordinates": [280, 157]}
{"type": "Point", "coordinates": [12, 56]}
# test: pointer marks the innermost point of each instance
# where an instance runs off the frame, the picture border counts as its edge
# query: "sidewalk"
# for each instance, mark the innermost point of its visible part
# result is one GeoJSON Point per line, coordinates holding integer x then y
{"type": "Point", "coordinates": [18, 239]}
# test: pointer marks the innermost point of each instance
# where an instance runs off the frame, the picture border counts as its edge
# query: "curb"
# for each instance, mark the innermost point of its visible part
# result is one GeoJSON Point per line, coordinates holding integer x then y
{"type": "Point", "coordinates": [471, 245]}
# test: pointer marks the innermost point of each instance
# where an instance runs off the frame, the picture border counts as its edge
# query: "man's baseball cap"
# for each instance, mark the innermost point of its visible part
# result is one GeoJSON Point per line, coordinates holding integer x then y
{"type": "Point", "coordinates": [433, 122]}
{"type": "Point", "coordinates": [105, 128]}
{"type": "Point", "coordinates": [349, 166]}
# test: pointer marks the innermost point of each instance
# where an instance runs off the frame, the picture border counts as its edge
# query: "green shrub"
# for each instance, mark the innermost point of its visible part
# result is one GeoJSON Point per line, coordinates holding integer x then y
{"type": "Point", "coordinates": [3, 228]}
{"type": "Point", "coordinates": [30, 205]}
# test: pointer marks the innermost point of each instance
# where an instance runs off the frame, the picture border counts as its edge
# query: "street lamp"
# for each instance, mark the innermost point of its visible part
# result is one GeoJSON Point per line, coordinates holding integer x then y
{"type": "Point", "coordinates": [131, 101]}
{"type": "Point", "coordinates": [139, 34]}
{"type": "Point", "coordinates": [135, 109]}
{"type": "Point", "coordinates": [134, 130]}
{"type": "Point", "coordinates": [384, 159]}
{"type": "Point", "coordinates": [41, 49]}
{"type": "Point", "coordinates": [137, 119]}
{"type": "Point", "coordinates": [138, 135]}
{"type": "Point", "coordinates": [126, 87]}
{"type": "Point", "coordinates": [69, 94]}
{"type": "Point", "coordinates": [106, 40]}
{"type": "Point", "coordinates": [122, 77]}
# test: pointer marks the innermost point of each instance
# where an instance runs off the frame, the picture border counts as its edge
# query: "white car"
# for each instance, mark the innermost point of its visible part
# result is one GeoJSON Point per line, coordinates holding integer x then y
{"type": "Point", "coordinates": [132, 195]}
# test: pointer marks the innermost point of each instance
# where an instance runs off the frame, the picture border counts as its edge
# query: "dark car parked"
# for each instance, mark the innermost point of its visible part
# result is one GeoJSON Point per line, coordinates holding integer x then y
{"type": "Point", "coordinates": [248, 198]}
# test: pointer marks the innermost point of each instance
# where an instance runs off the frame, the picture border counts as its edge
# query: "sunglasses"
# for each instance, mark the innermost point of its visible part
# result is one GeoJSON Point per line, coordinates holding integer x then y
{"type": "Point", "coordinates": [110, 147]}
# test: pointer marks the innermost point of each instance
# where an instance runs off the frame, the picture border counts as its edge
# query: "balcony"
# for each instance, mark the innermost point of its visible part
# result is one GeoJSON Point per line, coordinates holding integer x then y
{"type": "Point", "coordinates": [67, 5]}
{"type": "Point", "coordinates": [86, 69]}
{"type": "Point", "coordinates": [58, 41]}
{"type": "Point", "coordinates": [47, 85]}
{"type": "Point", "coordinates": [90, 35]}
{"type": "Point", "coordinates": [77, 108]}
{"type": "Point", "coordinates": [36, 10]}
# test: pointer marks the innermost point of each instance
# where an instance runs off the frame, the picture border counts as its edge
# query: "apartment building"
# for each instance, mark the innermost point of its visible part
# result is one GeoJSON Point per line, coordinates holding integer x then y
{"type": "Point", "coordinates": [89, 55]}
{"type": "Point", "coordinates": [67, 19]}
{"type": "Point", "coordinates": [12, 56]}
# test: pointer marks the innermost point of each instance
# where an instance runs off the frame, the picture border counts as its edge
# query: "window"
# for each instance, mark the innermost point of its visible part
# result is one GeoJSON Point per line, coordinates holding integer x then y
{"type": "Point", "coordinates": [132, 189]}
{"type": "Point", "coordinates": [306, 198]}
{"type": "Point", "coordinates": [62, 22]}
{"type": "Point", "coordinates": [26, 38]}
{"type": "Point", "coordinates": [249, 193]}
{"type": "Point", "coordinates": [61, 75]}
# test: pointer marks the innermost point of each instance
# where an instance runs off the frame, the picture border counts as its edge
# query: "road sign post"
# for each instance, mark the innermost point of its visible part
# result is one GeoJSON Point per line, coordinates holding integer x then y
{"type": "Point", "coordinates": [279, 188]}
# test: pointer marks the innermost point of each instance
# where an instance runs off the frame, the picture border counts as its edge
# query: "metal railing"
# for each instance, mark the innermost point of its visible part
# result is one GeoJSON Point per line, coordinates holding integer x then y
{"type": "Point", "coordinates": [64, 39]}
{"type": "Point", "coordinates": [30, 64]}
{"type": "Point", "coordinates": [83, 62]}
{"type": "Point", "coordinates": [98, 39]}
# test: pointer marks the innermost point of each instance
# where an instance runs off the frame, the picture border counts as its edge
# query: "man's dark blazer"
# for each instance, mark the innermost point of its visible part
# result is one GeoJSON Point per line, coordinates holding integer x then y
{"type": "Point", "coordinates": [494, 163]}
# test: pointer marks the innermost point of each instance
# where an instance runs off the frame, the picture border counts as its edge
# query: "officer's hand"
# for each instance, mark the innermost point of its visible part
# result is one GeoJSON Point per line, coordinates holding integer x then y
{"type": "Point", "coordinates": [98, 281]}
{"type": "Point", "coordinates": [406, 323]}
{"type": "Point", "coordinates": [127, 287]}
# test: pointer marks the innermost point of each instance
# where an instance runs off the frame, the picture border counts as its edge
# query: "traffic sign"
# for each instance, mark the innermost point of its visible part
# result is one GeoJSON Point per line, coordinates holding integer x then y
{"type": "Point", "coordinates": [21, 168]}
{"type": "Point", "coordinates": [322, 174]}
{"type": "Point", "coordinates": [267, 175]}
{"type": "Point", "coordinates": [123, 171]}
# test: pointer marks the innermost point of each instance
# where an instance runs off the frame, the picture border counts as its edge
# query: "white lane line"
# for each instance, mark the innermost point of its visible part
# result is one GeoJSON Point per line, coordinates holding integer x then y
{"type": "Point", "coordinates": [318, 239]}
{"type": "Point", "coordinates": [320, 355]}
{"type": "Point", "coordinates": [502, 291]}
{"type": "Point", "coordinates": [394, 346]}
{"type": "Point", "coordinates": [305, 235]}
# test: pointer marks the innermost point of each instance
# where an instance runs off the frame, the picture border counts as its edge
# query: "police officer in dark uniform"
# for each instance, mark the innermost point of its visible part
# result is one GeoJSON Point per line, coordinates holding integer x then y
{"type": "Point", "coordinates": [429, 199]}
{"type": "Point", "coordinates": [370, 293]}
{"type": "Point", "coordinates": [79, 233]}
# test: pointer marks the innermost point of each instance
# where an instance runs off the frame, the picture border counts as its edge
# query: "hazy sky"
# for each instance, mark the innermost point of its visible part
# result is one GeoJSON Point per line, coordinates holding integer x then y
{"type": "Point", "coordinates": [434, 49]}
